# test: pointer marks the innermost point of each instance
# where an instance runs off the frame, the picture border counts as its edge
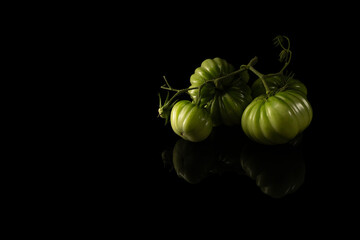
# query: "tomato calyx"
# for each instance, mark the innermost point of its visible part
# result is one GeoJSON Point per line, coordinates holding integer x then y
{"type": "Point", "coordinates": [165, 109]}
{"type": "Point", "coordinates": [272, 93]}
{"type": "Point", "coordinates": [281, 88]}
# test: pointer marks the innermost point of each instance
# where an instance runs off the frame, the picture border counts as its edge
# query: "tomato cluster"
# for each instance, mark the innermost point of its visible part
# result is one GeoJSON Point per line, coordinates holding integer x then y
{"type": "Point", "coordinates": [274, 109]}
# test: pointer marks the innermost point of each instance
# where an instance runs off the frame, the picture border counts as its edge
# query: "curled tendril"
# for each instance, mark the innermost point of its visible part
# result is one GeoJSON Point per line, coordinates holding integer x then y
{"type": "Point", "coordinates": [285, 54]}
{"type": "Point", "coordinates": [278, 40]}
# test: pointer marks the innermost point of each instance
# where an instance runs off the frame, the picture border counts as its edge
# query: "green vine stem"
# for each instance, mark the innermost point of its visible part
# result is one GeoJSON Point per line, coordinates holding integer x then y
{"type": "Point", "coordinates": [168, 104]}
{"type": "Point", "coordinates": [261, 76]}
{"type": "Point", "coordinates": [178, 92]}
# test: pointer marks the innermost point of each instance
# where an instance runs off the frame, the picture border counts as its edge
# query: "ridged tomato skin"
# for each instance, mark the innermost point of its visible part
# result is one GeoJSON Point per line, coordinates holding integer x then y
{"type": "Point", "coordinates": [190, 121]}
{"type": "Point", "coordinates": [228, 105]}
{"type": "Point", "coordinates": [274, 83]}
{"type": "Point", "coordinates": [225, 101]}
{"type": "Point", "coordinates": [277, 119]}
{"type": "Point", "coordinates": [210, 69]}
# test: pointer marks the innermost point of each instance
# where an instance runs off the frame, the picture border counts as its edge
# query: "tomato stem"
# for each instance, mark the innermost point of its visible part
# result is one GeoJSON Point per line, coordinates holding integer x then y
{"type": "Point", "coordinates": [199, 94]}
{"type": "Point", "coordinates": [168, 104]}
{"type": "Point", "coordinates": [261, 76]}
{"type": "Point", "coordinates": [216, 80]}
{"type": "Point", "coordinates": [178, 92]}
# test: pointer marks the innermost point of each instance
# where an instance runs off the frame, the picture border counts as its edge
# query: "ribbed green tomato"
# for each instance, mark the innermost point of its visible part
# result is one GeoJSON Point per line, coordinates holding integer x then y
{"type": "Point", "coordinates": [228, 105]}
{"type": "Point", "coordinates": [276, 82]}
{"type": "Point", "coordinates": [211, 69]}
{"type": "Point", "coordinates": [278, 118]}
{"type": "Point", "coordinates": [226, 99]}
{"type": "Point", "coordinates": [190, 121]}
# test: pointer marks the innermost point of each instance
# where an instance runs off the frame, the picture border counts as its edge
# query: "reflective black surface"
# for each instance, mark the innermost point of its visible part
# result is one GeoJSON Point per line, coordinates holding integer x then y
{"type": "Point", "coordinates": [276, 170]}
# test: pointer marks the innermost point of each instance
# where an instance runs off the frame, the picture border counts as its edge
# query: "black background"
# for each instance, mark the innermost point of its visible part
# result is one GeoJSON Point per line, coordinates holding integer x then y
{"type": "Point", "coordinates": [121, 171]}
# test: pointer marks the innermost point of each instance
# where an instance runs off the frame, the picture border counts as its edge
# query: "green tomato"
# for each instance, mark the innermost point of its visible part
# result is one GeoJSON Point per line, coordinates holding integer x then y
{"type": "Point", "coordinates": [277, 118]}
{"type": "Point", "coordinates": [277, 82]}
{"type": "Point", "coordinates": [228, 105]}
{"type": "Point", "coordinates": [190, 121]}
{"type": "Point", "coordinates": [211, 69]}
{"type": "Point", "coordinates": [225, 99]}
